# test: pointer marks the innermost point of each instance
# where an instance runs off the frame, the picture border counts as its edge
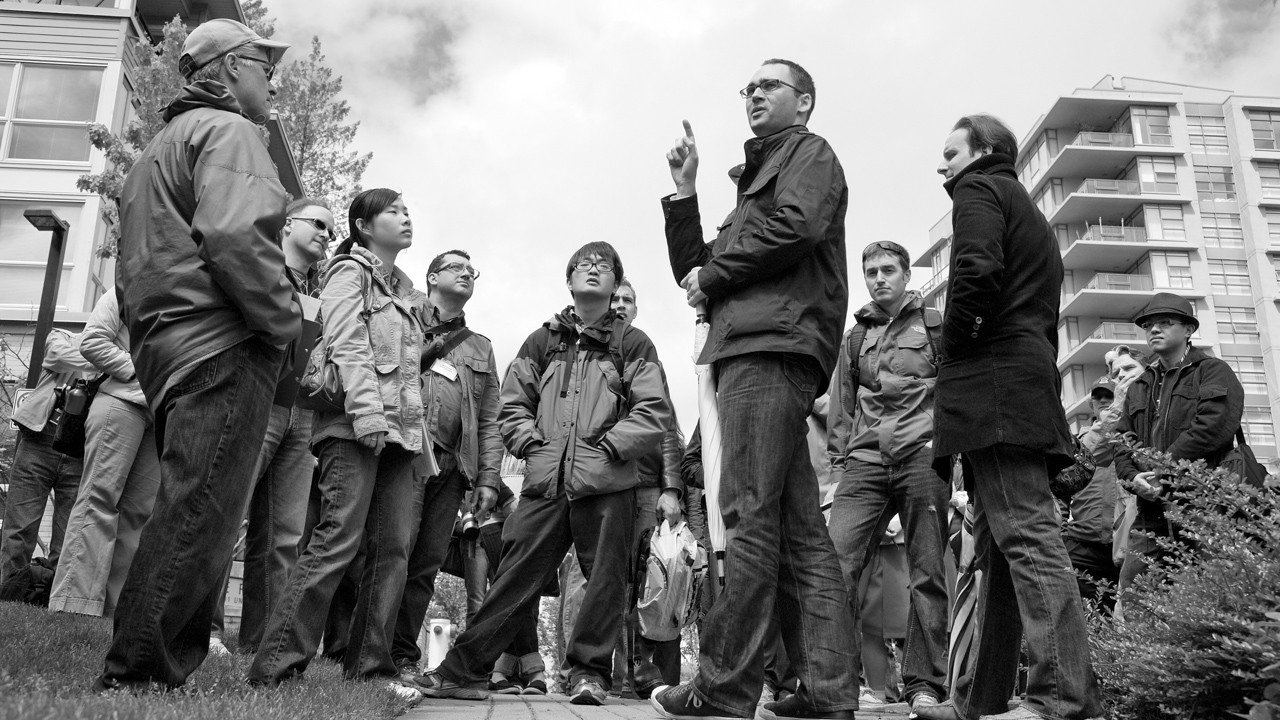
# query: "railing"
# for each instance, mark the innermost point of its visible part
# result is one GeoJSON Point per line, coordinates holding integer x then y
{"type": "Point", "coordinates": [1117, 331]}
{"type": "Point", "coordinates": [1120, 281]}
{"type": "Point", "coordinates": [1102, 186]}
{"type": "Point", "coordinates": [1102, 139]}
{"type": "Point", "coordinates": [939, 278]}
{"type": "Point", "coordinates": [1113, 233]}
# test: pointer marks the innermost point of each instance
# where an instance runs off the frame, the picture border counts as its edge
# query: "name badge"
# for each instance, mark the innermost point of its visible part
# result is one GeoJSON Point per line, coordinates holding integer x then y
{"type": "Point", "coordinates": [443, 368]}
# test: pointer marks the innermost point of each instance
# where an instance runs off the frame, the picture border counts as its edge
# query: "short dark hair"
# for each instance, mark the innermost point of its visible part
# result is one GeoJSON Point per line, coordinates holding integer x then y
{"type": "Point", "coordinates": [366, 207]}
{"type": "Point", "coordinates": [602, 250]}
{"type": "Point", "coordinates": [804, 81]}
{"type": "Point", "coordinates": [302, 203]}
{"type": "Point", "coordinates": [986, 132]}
{"type": "Point", "coordinates": [437, 262]}
{"type": "Point", "coordinates": [892, 249]}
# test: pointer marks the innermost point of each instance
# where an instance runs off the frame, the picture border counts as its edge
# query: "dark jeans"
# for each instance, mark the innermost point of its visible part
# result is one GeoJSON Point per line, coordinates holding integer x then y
{"type": "Point", "coordinates": [277, 511]}
{"type": "Point", "coordinates": [37, 470]}
{"type": "Point", "coordinates": [441, 496]}
{"type": "Point", "coordinates": [362, 496]}
{"type": "Point", "coordinates": [778, 551]}
{"type": "Point", "coordinates": [1027, 586]}
{"type": "Point", "coordinates": [536, 537]}
{"type": "Point", "coordinates": [866, 500]}
{"type": "Point", "coordinates": [1093, 565]}
{"type": "Point", "coordinates": [209, 428]}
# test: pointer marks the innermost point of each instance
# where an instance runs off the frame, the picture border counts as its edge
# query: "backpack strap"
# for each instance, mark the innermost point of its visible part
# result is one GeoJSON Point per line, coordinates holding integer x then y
{"type": "Point", "coordinates": [924, 320]}
{"type": "Point", "coordinates": [853, 346]}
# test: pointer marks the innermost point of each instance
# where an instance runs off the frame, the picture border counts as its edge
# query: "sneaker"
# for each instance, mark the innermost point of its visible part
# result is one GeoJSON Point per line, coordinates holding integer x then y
{"type": "Point", "coordinates": [869, 699]}
{"type": "Point", "coordinates": [434, 685]}
{"type": "Point", "coordinates": [766, 695]}
{"type": "Point", "coordinates": [681, 702]}
{"type": "Point", "coordinates": [794, 707]}
{"type": "Point", "coordinates": [1022, 712]}
{"type": "Point", "coordinates": [945, 710]}
{"type": "Point", "coordinates": [216, 648]}
{"type": "Point", "coordinates": [535, 687]}
{"type": "Point", "coordinates": [587, 692]}
{"type": "Point", "coordinates": [504, 687]}
{"type": "Point", "coordinates": [404, 692]}
{"type": "Point", "coordinates": [923, 699]}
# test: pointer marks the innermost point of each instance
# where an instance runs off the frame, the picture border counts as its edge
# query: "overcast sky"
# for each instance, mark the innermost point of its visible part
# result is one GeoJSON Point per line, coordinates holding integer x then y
{"type": "Point", "coordinates": [520, 130]}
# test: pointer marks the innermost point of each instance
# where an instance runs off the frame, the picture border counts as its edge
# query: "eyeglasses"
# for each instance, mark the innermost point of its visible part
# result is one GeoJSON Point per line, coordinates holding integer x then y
{"type": "Point", "coordinates": [267, 66]}
{"type": "Point", "coordinates": [1160, 323]}
{"type": "Point", "coordinates": [320, 225]}
{"type": "Point", "coordinates": [768, 85]}
{"type": "Point", "coordinates": [601, 265]}
{"type": "Point", "coordinates": [461, 270]}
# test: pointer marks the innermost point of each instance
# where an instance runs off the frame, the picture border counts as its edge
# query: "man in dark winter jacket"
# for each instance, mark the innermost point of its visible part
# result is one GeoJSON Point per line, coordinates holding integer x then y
{"type": "Point", "coordinates": [775, 286]}
{"type": "Point", "coordinates": [202, 287]}
{"type": "Point", "coordinates": [998, 406]}
{"type": "Point", "coordinates": [1186, 403]}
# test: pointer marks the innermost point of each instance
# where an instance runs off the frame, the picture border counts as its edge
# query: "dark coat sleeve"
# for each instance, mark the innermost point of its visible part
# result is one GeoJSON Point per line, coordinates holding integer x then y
{"type": "Point", "coordinates": [691, 465]}
{"type": "Point", "coordinates": [489, 436]}
{"type": "Point", "coordinates": [977, 261]}
{"type": "Point", "coordinates": [843, 403]}
{"type": "Point", "coordinates": [685, 247]}
{"type": "Point", "coordinates": [518, 413]}
{"type": "Point", "coordinates": [1219, 409]}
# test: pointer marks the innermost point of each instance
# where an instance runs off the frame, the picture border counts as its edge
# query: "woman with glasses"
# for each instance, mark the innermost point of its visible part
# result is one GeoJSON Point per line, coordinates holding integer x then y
{"type": "Point", "coordinates": [370, 451]}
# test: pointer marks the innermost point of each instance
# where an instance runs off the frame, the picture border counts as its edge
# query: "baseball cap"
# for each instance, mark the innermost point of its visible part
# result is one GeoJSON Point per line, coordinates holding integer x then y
{"type": "Point", "coordinates": [1103, 383]}
{"type": "Point", "coordinates": [216, 38]}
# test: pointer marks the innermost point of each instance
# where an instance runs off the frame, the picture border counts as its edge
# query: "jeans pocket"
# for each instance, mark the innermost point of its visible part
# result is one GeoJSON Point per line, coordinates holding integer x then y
{"type": "Point", "coordinates": [800, 372]}
{"type": "Point", "coordinates": [200, 378]}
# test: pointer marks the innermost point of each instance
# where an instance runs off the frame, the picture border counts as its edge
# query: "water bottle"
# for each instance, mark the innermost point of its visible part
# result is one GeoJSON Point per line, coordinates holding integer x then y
{"type": "Point", "coordinates": [77, 400]}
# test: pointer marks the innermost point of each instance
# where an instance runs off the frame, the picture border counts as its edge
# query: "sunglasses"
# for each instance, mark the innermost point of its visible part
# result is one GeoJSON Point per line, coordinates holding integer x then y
{"type": "Point", "coordinates": [320, 225]}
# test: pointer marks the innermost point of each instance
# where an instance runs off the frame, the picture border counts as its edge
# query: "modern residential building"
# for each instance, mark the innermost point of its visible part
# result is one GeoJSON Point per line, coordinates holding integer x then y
{"type": "Point", "coordinates": [63, 65]}
{"type": "Point", "coordinates": [1155, 186]}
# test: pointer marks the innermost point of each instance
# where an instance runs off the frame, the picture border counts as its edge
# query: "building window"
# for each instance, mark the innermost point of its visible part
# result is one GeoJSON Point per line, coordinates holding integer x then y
{"type": "Point", "coordinates": [1250, 371]}
{"type": "Point", "coordinates": [1208, 129]}
{"type": "Point", "coordinates": [1215, 183]}
{"type": "Point", "coordinates": [46, 109]}
{"type": "Point", "coordinates": [1169, 269]}
{"type": "Point", "coordinates": [1275, 264]}
{"type": "Point", "coordinates": [1049, 198]}
{"type": "Point", "coordinates": [1237, 325]}
{"type": "Point", "coordinates": [1269, 174]}
{"type": "Point", "coordinates": [1273, 226]}
{"type": "Point", "coordinates": [1158, 175]}
{"type": "Point", "coordinates": [1229, 277]}
{"type": "Point", "coordinates": [1266, 129]}
{"type": "Point", "coordinates": [1074, 385]}
{"type": "Point", "coordinates": [1222, 230]}
{"type": "Point", "coordinates": [1164, 222]}
{"type": "Point", "coordinates": [1038, 159]}
{"type": "Point", "coordinates": [1150, 125]}
{"type": "Point", "coordinates": [1257, 425]}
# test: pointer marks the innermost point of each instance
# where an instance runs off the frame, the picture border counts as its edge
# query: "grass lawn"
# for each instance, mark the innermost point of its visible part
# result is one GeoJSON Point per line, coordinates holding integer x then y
{"type": "Point", "coordinates": [48, 662]}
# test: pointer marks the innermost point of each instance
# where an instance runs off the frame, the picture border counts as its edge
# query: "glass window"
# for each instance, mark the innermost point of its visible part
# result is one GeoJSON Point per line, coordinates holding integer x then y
{"type": "Point", "coordinates": [1158, 175]}
{"type": "Point", "coordinates": [1170, 269]}
{"type": "Point", "coordinates": [1269, 174]}
{"type": "Point", "coordinates": [50, 110]}
{"type": "Point", "coordinates": [1258, 426]}
{"type": "Point", "coordinates": [1266, 129]}
{"type": "Point", "coordinates": [1074, 385]}
{"type": "Point", "coordinates": [1250, 371]}
{"type": "Point", "coordinates": [6, 82]}
{"type": "Point", "coordinates": [1222, 230]}
{"type": "Point", "coordinates": [1237, 325]}
{"type": "Point", "coordinates": [1273, 225]}
{"type": "Point", "coordinates": [1215, 183]}
{"type": "Point", "coordinates": [1151, 125]}
{"type": "Point", "coordinates": [1208, 132]}
{"type": "Point", "coordinates": [1164, 222]}
{"type": "Point", "coordinates": [1229, 277]}
{"type": "Point", "coordinates": [1050, 197]}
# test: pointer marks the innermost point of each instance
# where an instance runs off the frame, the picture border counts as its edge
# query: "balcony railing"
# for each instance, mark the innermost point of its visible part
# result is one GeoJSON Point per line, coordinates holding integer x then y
{"type": "Point", "coordinates": [1113, 233]}
{"type": "Point", "coordinates": [1120, 281]}
{"type": "Point", "coordinates": [1103, 186]}
{"type": "Point", "coordinates": [1122, 331]}
{"type": "Point", "coordinates": [1102, 139]}
{"type": "Point", "coordinates": [939, 278]}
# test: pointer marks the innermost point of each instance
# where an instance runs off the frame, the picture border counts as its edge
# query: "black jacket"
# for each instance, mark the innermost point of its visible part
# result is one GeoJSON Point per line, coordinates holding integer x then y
{"type": "Point", "coordinates": [776, 276]}
{"type": "Point", "coordinates": [998, 380]}
{"type": "Point", "coordinates": [1195, 416]}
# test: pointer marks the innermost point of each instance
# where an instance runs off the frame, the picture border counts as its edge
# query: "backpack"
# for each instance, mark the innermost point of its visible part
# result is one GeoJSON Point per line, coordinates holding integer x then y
{"type": "Point", "coordinates": [562, 336]}
{"type": "Point", "coordinates": [320, 387]}
{"type": "Point", "coordinates": [30, 584]}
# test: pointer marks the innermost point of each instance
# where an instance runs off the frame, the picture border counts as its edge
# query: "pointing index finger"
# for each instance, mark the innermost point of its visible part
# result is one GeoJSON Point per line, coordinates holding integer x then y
{"type": "Point", "coordinates": [688, 129]}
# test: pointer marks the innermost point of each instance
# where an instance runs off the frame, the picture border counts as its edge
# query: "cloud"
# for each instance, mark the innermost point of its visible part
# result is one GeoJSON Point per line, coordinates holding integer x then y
{"type": "Point", "coordinates": [1216, 32]}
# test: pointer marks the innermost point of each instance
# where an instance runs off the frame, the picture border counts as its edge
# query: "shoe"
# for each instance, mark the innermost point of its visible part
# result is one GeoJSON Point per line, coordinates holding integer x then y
{"type": "Point", "coordinates": [945, 710]}
{"type": "Point", "coordinates": [535, 687]}
{"type": "Point", "coordinates": [869, 699]}
{"type": "Point", "coordinates": [923, 699]}
{"type": "Point", "coordinates": [1022, 712]}
{"type": "Point", "coordinates": [404, 692]}
{"type": "Point", "coordinates": [216, 648]}
{"type": "Point", "coordinates": [682, 702]}
{"type": "Point", "coordinates": [434, 685]}
{"type": "Point", "coordinates": [766, 695]}
{"type": "Point", "coordinates": [645, 689]}
{"type": "Point", "coordinates": [504, 687]}
{"type": "Point", "coordinates": [587, 692]}
{"type": "Point", "coordinates": [794, 707]}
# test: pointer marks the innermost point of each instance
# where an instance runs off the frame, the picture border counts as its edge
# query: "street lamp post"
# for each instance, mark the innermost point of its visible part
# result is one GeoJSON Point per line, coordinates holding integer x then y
{"type": "Point", "coordinates": [45, 219]}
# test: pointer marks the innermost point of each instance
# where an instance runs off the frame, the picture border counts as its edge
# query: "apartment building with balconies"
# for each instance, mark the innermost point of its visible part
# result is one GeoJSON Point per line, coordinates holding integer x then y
{"type": "Point", "coordinates": [1155, 186]}
{"type": "Point", "coordinates": [63, 65]}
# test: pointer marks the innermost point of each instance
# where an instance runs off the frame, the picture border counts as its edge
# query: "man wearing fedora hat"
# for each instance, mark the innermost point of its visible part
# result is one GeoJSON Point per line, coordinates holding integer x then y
{"type": "Point", "coordinates": [203, 290]}
{"type": "Point", "coordinates": [1186, 403]}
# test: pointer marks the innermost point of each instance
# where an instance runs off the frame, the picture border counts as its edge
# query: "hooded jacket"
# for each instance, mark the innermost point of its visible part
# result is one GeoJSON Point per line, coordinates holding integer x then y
{"type": "Point", "coordinates": [776, 276]}
{"type": "Point", "coordinates": [578, 424]}
{"type": "Point", "coordinates": [200, 267]}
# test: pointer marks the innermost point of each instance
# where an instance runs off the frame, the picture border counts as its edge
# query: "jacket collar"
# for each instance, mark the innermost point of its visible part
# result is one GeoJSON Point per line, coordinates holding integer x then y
{"type": "Point", "coordinates": [992, 164]}
{"type": "Point", "coordinates": [872, 314]}
{"type": "Point", "coordinates": [568, 321]}
{"type": "Point", "coordinates": [756, 148]}
{"type": "Point", "coordinates": [1194, 355]}
{"type": "Point", "coordinates": [202, 94]}
{"type": "Point", "coordinates": [396, 281]}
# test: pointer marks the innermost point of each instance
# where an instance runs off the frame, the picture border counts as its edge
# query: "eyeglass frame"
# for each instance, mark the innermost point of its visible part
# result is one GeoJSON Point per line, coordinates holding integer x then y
{"type": "Point", "coordinates": [751, 88]}
{"type": "Point", "coordinates": [318, 224]}
{"type": "Point", "coordinates": [456, 267]}
{"type": "Point", "coordinates": [1162, 323]}
{"type": "Point", "coordinates": [267, 66]}
{"type": "Point", "coordinates": [583, 265]}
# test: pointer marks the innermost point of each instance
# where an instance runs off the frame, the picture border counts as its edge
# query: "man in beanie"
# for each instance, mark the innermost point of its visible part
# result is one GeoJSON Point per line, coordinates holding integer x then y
{"type": "Point", "coordinates": [203, 290]}
{"type": "Point", "coordinates": [1186, 403]}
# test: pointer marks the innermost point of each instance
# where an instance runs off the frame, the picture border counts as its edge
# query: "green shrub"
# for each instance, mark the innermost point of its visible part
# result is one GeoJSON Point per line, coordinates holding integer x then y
{"type": "Point", "coordinates": [1197, 640]}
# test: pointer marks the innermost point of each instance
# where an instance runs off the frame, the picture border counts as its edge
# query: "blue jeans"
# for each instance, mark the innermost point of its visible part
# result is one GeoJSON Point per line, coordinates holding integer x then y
{"type": "Point", "coordinates": [868, 496]}
{"type": "Point", "coordinates": [277, 512]}
{"type": "Point", "coordinates": [1027, 586]}
{"type": "Point", "coordinates": [362, 496]}
{"type": "Point", "coordinates": [535, 539]}
{"type": "Point", "coordinates": [208, 429]}
{"type": "Point", "coordinates": [38, 470]}
{"type": "Point", "coordinates": [441, 497]}
{"type": "Point", "coordinates": [778, 547]}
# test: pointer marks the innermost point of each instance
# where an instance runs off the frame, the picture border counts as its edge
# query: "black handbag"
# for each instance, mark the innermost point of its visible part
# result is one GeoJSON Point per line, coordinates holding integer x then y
{"type": "Point", "coordinates": [1241, 461]}
{"type": "Point", "coordinates": [69, 438]}
{"type": "Point", "coordinates": [1075, 477]}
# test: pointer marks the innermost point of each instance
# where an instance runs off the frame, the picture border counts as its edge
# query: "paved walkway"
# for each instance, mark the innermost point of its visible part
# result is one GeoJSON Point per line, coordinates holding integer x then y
{"type": "Point", "coordinates": [557, 707]}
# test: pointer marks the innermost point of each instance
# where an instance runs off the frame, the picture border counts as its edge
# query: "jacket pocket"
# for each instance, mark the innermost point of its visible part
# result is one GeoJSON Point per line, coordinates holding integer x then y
{"type": "Point", "coordinates": [479, 374]}
{"type": "Point", "coordinates": [594, 473]}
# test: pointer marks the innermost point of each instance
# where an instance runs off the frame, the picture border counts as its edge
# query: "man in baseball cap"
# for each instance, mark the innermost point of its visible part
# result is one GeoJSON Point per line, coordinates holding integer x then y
{"type": "Point", "coordinates": [216, 38]}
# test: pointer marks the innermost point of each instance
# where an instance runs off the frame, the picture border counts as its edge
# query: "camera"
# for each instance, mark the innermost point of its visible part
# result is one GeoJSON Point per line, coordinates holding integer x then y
{"type": "Point", "coordinates": [470, 528]}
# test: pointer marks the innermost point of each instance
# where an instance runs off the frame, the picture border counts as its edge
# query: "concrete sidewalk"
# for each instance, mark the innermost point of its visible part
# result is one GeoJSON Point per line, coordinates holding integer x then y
{"type": "Point", "coordinates": [557, 707]}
